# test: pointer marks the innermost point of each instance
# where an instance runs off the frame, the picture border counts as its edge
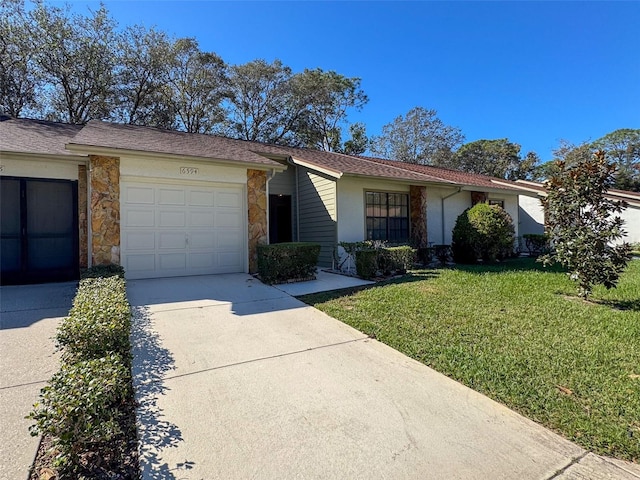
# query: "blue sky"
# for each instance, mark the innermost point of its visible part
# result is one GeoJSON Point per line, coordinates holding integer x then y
{"type": "Point", "coordinates": [533, 72]}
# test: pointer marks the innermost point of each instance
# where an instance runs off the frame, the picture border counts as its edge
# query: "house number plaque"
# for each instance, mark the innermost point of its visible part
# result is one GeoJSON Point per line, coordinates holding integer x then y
{"type": "Point", "coordinates": [188, 171]}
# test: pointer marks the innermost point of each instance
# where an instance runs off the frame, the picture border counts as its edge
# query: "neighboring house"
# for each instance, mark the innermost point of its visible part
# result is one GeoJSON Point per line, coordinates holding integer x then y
{"type": "Point", "coordinates": [165, 203]}
{"type": "Point", "coordinates": [532, 213]}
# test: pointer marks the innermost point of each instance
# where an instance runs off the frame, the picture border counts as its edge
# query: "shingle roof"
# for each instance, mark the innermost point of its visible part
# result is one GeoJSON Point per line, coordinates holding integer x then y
{"type": "Point", "coordinates": [155, 140]}
{"type": "Point", "coordinates": [448, 175]}
{"type": "Point", "coordinates": [35, 136]}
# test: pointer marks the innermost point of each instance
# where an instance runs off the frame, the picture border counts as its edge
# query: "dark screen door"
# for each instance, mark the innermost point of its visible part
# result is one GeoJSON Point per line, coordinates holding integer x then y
{"type": "Point", "coordinates": [39, 230]}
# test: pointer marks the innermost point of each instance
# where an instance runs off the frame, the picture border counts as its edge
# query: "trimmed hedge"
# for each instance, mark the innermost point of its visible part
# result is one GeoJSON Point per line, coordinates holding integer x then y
{"type": "Point", "coordinates": [536, 243]}
{"type": "Point", "coordinates": [282, 262]}
{"type": "Point", "coordinates": [386, 260]}
{"type": "Point", "coordinates": [84, 404]}
{"type": "Point", "coordinates": [99, 321]}
{"type": "Point", "coordinates": [483, 231]}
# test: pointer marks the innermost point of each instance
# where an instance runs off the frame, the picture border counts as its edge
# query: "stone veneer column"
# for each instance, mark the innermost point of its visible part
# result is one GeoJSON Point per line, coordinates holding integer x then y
{"type": "Point", "coordinates": [105, 210]}
{"type": "Point", "coordinates": [478, 197]}
{"type": "Point", "coordinates": [257, 214]}
{"type": "Point", "coordinates": [418, 209]}
{"type": "Point", "coordinates": [83, 232]}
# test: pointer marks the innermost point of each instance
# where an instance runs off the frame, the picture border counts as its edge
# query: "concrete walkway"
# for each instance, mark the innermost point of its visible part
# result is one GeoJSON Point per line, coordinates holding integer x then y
{"type": "Point", "coordinates": [238, 380]}
{"type": "Point", "coordinates": [29, 315]}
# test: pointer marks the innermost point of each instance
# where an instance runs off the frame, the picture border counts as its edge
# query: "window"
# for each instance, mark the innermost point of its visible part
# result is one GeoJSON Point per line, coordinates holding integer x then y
{"type": "Point", "coordinates": [387, 216]}
{"type": "Point", "coordinates": [500, 203]}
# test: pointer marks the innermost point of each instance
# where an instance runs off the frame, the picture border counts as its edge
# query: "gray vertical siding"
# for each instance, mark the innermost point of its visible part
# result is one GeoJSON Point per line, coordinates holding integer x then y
{"type": "Point", "coordinates": [284, 183]}
{"type": "Point", "coordinates": [318, 212]}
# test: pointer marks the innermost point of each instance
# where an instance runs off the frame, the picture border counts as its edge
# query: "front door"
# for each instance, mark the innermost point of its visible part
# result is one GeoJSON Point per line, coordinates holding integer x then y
{"type": "Point", "coordinates": [38, 230]}
{"type": "Point", "coordinates": [280, 219]}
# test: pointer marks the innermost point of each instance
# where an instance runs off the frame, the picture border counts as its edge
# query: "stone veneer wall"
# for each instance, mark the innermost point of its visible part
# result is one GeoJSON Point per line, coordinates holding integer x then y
{"type": "Point", "coordinates": [418, 209]}
{"type": "Point", "coordinates": [478, 197]}
{"type": "Point", "coordinates": [105, 210]}
{"type": "Point", "coordinates": [83, 231]}
{"type": "Point", "coordinates": [257, 211]}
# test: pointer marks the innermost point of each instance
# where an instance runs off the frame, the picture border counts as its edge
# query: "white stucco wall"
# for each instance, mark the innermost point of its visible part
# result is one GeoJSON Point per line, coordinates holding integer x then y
{"type": "Point", "coordinates": [531, 215]}
{"type": "Point", "coordinates": [533, 219]}
{"type": "Point", "coordinates": [40, 168]}
{"type": "Point", "coordinates": [140, 168]}
{"type": "Point", "coordinates": [453, 207]}
{"type": "Point", "coordinates": [351, 214]}
{"type": "Point", "coordinates": [631, 217]}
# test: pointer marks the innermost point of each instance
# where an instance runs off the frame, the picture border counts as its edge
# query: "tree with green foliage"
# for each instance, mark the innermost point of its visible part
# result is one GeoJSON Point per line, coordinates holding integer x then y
{"type": "Point", "coordinates": [261, 103]}
{"type": "Point", "coordinates": [623, 148]}
{"type": "Point", "coordinates": [327, 98]}
{"type": "Point", "coordinates": [144, 58]}
{"type": "Point", "coordinates": [418, 137]}
{"type": "Point", "coordinates": [76, 55]}
{"type": "Point", "coordinates": [496, 158]}
{"type": "Point", "coordinates": [483, 231]}
{"type": "Point", "coordinates": [581, 223]}
{"type": "Point", "coordinates": [358, 143]}
{"type": "Point", "coordinates": [20, 80]}
{"type": "Point", "coordinates": [196, 86]}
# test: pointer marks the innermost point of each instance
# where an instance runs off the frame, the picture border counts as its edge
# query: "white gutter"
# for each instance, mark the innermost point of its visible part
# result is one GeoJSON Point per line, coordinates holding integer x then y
{"type": "Point", "coordinates": [311, 166]}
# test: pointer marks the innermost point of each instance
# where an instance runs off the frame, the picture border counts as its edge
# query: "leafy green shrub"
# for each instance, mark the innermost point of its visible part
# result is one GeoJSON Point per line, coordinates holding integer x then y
{"type": "Point", "coordinates": [366, 263]}
{"type": "Point", "coordinates": [103, 271]}
{"type": "Point", "coordinates": [536, 243]}
{"type": "Point", "coordinates": [80, 408]}
{"type": "Point", "coordinates": [99, 321]}
{"type": "Point", "coordinates": [398, 259]}
{"type": "Point", "coordinates": [483, 231]}
{"type": "Point", "coordinates": [281, 262]}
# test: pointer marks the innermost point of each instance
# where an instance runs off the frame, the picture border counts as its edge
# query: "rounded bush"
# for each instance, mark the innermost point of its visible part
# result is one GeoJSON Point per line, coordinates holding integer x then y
{"type": "Point", "coordinates": [483, 232]}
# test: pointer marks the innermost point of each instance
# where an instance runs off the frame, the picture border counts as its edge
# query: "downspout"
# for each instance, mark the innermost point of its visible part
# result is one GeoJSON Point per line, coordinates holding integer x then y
{"type": "Point", "coordinates": [442, 199]}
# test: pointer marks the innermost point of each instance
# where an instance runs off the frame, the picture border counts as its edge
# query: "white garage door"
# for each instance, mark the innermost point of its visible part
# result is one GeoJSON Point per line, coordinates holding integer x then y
{"type": "Point", "coordinates": [176, 230]}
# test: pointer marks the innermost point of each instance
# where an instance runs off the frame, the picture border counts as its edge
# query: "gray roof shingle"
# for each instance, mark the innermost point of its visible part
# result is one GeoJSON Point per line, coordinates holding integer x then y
{"type": "Point", "coordinates": [35, 136]}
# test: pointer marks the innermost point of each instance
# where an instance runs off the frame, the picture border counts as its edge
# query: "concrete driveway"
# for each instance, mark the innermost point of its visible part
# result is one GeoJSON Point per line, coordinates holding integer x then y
{"type": "Point", "coordinates": [29, 315]}
{"type": "Point", "coordinates": [238, 380]}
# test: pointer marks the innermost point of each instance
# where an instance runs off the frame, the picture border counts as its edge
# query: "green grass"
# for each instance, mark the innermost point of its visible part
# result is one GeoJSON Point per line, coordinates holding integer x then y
{"type": "Point", "coordinates": [519, 334]}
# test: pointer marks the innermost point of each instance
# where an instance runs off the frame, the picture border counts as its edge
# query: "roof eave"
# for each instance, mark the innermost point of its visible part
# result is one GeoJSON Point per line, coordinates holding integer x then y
{"type": "Point", "coordinates": [107, 151]}
{"type": "Point", "coordinates": [69, 157]}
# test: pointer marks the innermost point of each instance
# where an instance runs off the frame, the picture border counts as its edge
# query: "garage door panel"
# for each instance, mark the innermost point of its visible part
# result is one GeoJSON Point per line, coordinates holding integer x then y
{"type": "Point", "coordinates": [171, 240]}
{"type": "Point", "coordinates": [140, 218]}
{"type": "Point", "coordinates": [172, 218]}
{"type": "Point", "coordinates": [137, 263]}
{"type": "Point", "coordinates": [200, 240]}
{"type": "Point", "coordinates": [201, 198]}
{"type": "Point", "coordinates": [201, 219]}
{"type": "Point", "coordinates": [187, 230]}
{"type": "Point", "coordinates": [140, 241]}
{"type": "Point", "coordinates": [173, 261]}
{"type": "Point", "coordinates": [169, 196]}
{"type": "Point", "coordinates": [202, 261]}
{"type": "Point", "coordinates": [230, 260]}
{"type": "Point", "coordinates": [139, 195]}
{"type": "Point", "coordinates": [228, 240]}
{"type": "Point", "coordinates": [229, 199]}
{"type": "Point", "coordinates": [228, 219]}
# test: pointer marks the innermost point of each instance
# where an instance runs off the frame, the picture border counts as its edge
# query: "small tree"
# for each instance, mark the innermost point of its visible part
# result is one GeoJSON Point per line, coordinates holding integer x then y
{"type": "Point", "coordinates": [581, 226]}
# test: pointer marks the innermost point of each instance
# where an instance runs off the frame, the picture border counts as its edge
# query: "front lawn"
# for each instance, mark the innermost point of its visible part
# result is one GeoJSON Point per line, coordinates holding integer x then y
{"type": "Point", "coordinates": [518, 333]}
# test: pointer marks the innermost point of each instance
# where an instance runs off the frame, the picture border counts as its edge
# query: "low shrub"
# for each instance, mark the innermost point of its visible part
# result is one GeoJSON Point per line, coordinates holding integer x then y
{"type": "Point", "coordinates": [536, 243]}
{"type": "Point", "coordinates": [84, 406]}
{"type": "Point", "coordinates": [396, 259]}
{"type": "Point", "coordinates": [99, 321]}
{"type": "Point", "coordinates": [80, 408]}
{"type": "Point", "coordinates": [483, 232]}
{"type": "Point", "coordinates": [103, 271]}
{"type": "Point", "coordinates": [281, 262]}
{"type": "Point", "coordinates": [367, 263]}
